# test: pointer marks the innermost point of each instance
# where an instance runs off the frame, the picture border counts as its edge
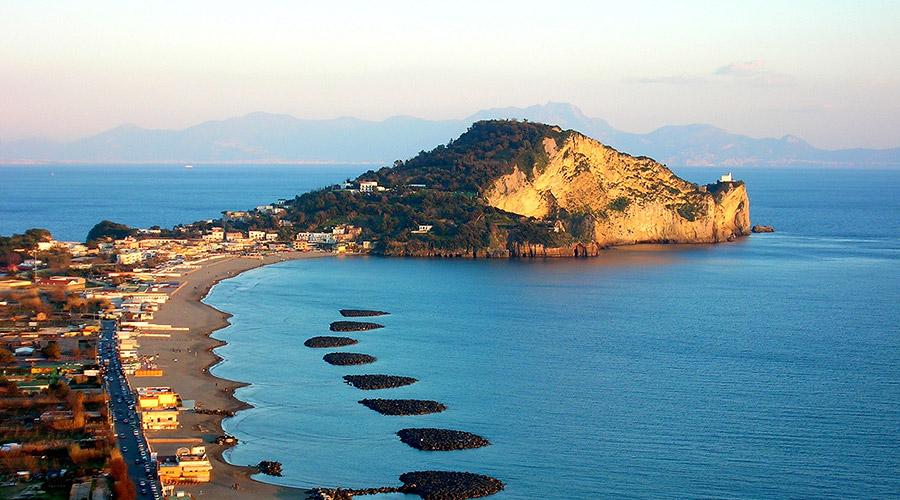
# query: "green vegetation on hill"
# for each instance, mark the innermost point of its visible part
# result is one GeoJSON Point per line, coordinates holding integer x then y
{"type": "Point", "coordinates": [486, 151]}
{"type": "Point", "coordinates": [110, 229]}
{"type": "Point", "coordinates": [454, 175]}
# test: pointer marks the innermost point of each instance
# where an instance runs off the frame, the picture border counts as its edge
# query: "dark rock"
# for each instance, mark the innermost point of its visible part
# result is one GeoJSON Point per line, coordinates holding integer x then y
{"type": "Point", "coordinates": [348, 494]}
{"type": "Point", "coordinates": [329, 342]}
{"type": "Point", "coordinates": [270, 468]}
{"type": "Point", "coordinates": [403, 406]}
{"type": "Point", "coordinates": [354, 326]}
{"type": "Point", "coordinates": [226, 439]}
{"type": "Point", "coordinates": [441, 485]}
{"type": "Point", "coordinates": [762, 229]}
{"type": "Point", "coordinates": [370, 382]}
{"type": "Point", "coordinates": [427, 439]}
{"type": "Point", "coordinates": [214, 411]}
{"type": "Point", "coordinates": [348, 358]}
{"type": "Point", "coordinates": [361, 313]}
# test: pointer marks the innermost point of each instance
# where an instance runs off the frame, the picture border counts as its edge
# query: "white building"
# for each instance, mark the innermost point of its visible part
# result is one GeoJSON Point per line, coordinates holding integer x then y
{"type": "Point", "coordinates": [129, 257]}
{"type": "Point", "coordinates": [423, 228]}
{"type": "Point", "coordinates": [726, 178]}
{"type": "Point", "coordinates": [256, 235]}
{"type": "Point", "coordinates": [368, 186]}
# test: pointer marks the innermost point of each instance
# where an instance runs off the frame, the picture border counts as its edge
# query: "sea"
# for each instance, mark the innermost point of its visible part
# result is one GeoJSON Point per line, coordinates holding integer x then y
{"type": "Point", "coordinates": [764, 368]}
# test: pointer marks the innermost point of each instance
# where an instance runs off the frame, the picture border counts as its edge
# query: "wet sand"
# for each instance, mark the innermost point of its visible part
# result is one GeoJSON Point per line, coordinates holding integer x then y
{"type": "Point", "coordinates": [185, 358]}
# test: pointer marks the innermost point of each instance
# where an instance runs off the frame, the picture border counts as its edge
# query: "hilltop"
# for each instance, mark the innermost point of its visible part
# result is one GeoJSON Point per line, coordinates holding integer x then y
{"type": "Point", "coordinates": [510, 188]}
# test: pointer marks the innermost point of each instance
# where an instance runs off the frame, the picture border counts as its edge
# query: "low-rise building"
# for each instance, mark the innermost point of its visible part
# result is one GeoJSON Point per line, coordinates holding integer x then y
{"type": "Point", "coordinates": [186, 466]}
{"type": "Point", "coordinates": [159, 419]}
{"type": "Point", "coordinates": [150, 398]}
{"type": "Point", "coordinates": [129, 257]}
{"type": "Point", "coordinates": [66, 283]}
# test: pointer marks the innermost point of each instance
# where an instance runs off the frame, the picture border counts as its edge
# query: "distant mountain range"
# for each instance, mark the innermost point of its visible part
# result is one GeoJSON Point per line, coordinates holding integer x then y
{"type": "Point", "coordinates": [265, 137]}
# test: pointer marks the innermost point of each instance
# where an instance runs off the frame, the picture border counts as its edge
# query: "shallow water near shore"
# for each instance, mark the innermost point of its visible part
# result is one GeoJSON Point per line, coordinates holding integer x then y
{"type": "Point", "coordinates": [765, 368]}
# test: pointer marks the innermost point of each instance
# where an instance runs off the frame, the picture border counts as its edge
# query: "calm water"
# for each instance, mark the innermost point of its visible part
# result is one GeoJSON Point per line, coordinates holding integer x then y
{"type": "Point", "coordinates": [760, 369]}
{"type": "Point", "coordinates": [69, 199]}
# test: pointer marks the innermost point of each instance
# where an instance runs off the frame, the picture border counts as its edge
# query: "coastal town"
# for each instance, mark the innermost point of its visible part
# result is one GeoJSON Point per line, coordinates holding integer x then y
{"type": "Point", "coordinates": [104, 354]}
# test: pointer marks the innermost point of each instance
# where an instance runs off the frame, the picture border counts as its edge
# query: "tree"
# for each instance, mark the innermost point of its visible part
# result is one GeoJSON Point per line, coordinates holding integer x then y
{"type": "Point", "coordinates": [109, 229]}
{"type": "Point", "coordinates": [6, 357]}
{"type": "Point", "coordinates": [75, 303]}
{"type": "Point", "coordinates": [52, 351]}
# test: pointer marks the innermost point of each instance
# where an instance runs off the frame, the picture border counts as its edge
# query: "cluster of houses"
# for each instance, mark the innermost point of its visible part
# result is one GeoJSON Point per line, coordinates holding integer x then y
{"type": "Point", "coordinates": [341, 239]}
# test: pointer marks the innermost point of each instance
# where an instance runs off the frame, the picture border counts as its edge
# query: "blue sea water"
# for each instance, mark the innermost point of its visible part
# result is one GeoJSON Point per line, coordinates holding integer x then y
{"type": "Point", "coordinates": [69, 199]}
{"type": "Point", "coordinates": [765, 368]}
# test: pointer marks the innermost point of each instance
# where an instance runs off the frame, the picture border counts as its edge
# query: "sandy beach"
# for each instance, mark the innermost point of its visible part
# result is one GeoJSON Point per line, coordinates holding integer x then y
{"type": "Point", "coordinates": [185, 358]}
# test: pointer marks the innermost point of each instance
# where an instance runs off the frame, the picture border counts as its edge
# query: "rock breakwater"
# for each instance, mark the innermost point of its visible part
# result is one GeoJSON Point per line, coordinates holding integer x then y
{"type": "Point", "coordinates": [428, 439]}
{"type": "Point", "coordinates": [326, 341]}
{"type": "Point", "coordinates": [348, 358]}
{"type": "Point", "coordinates": [372, 382]}
{"type": "Point", "coordinates": [403, 406]}
{"type": "Point", "coordinates": [354, 326]}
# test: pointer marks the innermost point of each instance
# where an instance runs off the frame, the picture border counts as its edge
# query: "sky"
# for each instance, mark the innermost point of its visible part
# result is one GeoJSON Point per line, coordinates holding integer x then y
{"type": "Point", "coordinates": [826, 71]}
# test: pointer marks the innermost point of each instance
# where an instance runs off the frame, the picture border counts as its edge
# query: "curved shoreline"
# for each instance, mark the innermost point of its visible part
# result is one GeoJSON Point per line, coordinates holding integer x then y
{"type": "Point", "coordinates": [188, 357]}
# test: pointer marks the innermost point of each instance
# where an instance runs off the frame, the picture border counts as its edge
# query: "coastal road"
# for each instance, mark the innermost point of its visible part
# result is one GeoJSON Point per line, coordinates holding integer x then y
{"type": "Point", "coordinates": [132, 443]}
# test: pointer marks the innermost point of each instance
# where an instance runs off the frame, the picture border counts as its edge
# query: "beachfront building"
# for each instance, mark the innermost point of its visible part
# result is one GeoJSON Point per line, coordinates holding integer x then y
{"type": "Point", "coordinates": [150, 398]}
{"type": "Point", "coordinates": [186, 466]}
{"type": "Point", "coordinates": [256, 235]}
{"type": "Point", "coordinates": [159, 419]}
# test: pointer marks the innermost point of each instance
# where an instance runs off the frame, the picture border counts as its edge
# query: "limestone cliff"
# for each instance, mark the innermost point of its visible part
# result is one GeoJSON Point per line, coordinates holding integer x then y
{"type": "Point", "coordinates": [626, 199]}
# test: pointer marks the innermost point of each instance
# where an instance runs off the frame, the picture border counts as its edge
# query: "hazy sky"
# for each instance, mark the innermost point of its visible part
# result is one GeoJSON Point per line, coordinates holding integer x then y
{"type": "Point", "coordinates": [827, 71]}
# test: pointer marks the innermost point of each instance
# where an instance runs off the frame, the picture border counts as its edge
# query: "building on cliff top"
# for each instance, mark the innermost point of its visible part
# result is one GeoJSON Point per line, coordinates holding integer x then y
{"type": "Point", "coordinates": [726, 178]}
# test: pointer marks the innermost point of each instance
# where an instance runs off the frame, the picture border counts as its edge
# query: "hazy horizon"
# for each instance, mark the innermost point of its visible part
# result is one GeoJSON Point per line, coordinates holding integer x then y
{"type": "Point", "coordinates": [816, 70]}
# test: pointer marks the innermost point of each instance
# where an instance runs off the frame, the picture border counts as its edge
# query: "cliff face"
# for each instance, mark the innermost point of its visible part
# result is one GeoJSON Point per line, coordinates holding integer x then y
{"type": "Point", "coordinates": [624, 199]}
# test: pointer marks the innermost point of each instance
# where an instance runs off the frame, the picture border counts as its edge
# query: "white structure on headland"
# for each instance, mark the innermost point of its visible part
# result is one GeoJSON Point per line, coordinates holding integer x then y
{"type": "Point", "coordinates": [726, 178]}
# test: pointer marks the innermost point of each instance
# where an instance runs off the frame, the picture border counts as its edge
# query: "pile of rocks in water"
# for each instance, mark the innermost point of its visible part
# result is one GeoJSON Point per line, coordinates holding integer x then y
{"type": "Point", "coordinates": [354, 326]}
{"type": "Point", "coordinates": [403, 406]}
{"type": "Point", "coordinates": [759, 228]}
{"type": "Point", "coordinates": [348, 358]}
{"type": "Point", "coordinates": [361, 313]}
{"type": "Point", "coordinates": [428, 439]}
{"type": "Point", "coordinates": [442, 485]}
{"type": "Point", "coordinates": [270, 468]}
{"type": "Point", "coordinates": [327, 341]}
{"type": "Point", "coordinates": [371, 382]}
